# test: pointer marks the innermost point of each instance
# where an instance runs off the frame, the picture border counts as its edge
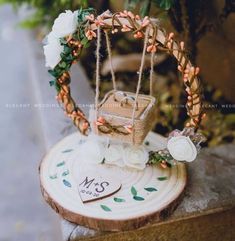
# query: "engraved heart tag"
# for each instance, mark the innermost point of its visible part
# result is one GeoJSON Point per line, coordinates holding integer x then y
{"type": "Point", "coordinates": [94, 186]}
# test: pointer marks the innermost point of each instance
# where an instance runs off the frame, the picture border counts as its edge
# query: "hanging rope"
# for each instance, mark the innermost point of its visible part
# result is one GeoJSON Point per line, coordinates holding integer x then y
{"type": "Point", "coordinates": [151, 74]}
{"type": "Point", "coordinates": [110, 59]}
{"type": "Point", "coordinates": [97, 73]}
{"type": "Point", "coordinates": [140, 74]}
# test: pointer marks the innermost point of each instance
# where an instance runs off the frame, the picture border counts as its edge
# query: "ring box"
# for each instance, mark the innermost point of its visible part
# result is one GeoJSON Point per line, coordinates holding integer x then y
{"type": "Point", "coordinates": [114, 116]}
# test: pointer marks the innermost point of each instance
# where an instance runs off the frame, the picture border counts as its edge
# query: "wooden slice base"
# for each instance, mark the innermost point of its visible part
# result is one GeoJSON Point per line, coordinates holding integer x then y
{"type": "Point", "coordinates": [145, 196]}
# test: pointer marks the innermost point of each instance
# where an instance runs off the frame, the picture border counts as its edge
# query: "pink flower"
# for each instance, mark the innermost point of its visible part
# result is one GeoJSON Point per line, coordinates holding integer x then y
{"type": "Point", "coordinates": [124, 13]}
{"type": "Point", "coordinates": [138, 35]}
{"type": "Point", "coordinates": [145, 22]}
{"type": "Point", "coordinates": [125, 28]}
{"type": "Point", "coordinates": [152, 48]}
{"type": "Point", "coordinates": [99, 21]}
{"type": "Point", "coordinates": [90, 34]}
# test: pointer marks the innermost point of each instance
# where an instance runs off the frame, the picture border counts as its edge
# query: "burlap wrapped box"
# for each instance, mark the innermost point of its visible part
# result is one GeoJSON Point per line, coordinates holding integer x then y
{"type": "Point", "coordinates": [117, 111]}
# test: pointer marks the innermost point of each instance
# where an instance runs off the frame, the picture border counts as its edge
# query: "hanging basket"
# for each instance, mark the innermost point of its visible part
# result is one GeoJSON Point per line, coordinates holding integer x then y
{"type": "Point", "coordinates": [115, 113]}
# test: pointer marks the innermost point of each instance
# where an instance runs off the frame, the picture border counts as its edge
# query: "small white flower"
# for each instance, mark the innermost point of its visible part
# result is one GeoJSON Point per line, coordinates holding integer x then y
{"type": "Point", "coordinates": [182, 148]}
{"type": "Point", "coordinates": [114, 155]}
{"type": "Point", "coordinates": [92, 151]}
{"type": "Point", "coordinates": [65, 24]}
{"type": "Point", "coordinates": [136, 157]}
{"type": "Point", "coordinates": [52, 52]}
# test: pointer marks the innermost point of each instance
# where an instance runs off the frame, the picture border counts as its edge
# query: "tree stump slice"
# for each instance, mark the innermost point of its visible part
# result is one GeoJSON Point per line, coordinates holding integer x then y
{"type": "Point", "coordinates": [159, 190]}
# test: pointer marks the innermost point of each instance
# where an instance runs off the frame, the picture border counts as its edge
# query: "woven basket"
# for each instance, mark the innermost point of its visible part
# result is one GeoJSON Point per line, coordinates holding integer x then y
{"type": "Point", "coordinates": [119, 115]}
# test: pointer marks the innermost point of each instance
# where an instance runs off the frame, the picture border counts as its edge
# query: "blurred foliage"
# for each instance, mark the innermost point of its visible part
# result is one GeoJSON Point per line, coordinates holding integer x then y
{"type": "Point", "coordinates": [44, 11]}
{"type": "Point", "coordinates": [144, 6]}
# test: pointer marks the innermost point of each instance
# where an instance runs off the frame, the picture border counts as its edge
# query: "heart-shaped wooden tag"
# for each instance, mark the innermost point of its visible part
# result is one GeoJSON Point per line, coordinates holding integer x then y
{"type": "Point", "coordinates": [94, 186]}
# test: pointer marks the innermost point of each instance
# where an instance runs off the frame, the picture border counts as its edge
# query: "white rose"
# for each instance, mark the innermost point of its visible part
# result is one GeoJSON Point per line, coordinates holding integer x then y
{"type": "Point", "coordinates": [182, 148]}
{"type": "Point", "coordinates": [136, 157]}
{"type": "Point", "coordinates": [114, 155]}
{"type": "Point", "coordinates": [92, 151]}
{"type": "Point", "coordinates": [52, 52]}
{"type": "Point", "coordinates": [65, 24]}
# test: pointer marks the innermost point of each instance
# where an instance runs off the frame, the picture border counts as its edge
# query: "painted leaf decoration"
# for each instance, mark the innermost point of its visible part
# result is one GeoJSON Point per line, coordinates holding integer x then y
{"type": "Point", "coordinates": [67, 150]}
{"type": "Point", "coordinates": [60, 164]}
{"type": "Point", "coordinates": [119, 200]}
{"type": "Point", "coordinates": [150, 189]}
{"type": "Point", "coordinates": [53, 176]}
{"type": "Point", "coordinates": [65, 173]}
{"type": "Point", "coordinates": [133, 191]}
{"type": "Point", "coordinates": [67, 183]}
{"type": "Point", "coordinates": [162, 178]}
{"type": "Point", "coordinates": [138, 198]}
{"type": "Point", "coordinates": [105, 208]}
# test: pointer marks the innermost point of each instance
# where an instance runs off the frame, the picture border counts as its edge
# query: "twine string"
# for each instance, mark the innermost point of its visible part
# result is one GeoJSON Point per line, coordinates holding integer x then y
{"type": "Point", "coordinates": [140, 75]}
{"type": "Point", "coordinates": [151, 74]}
{"type": "Point", "coordinates": [97, 72]}
{"type": "Point", "coordinates": [110, 59]}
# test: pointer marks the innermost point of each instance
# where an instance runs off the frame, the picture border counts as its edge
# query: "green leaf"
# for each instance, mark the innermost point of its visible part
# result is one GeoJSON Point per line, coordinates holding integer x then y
{"type": "Point", "coordinates": [145, 8]}
{"type": "Point", "coordinates": [67, 50]}
{"type": "Point", "coordinates": [84, 41]}
{"type": "Point", "coordinates": [162, 178]}
{"type": "Point", "coordinates": [67, 150]}
{"type": "Point", "coordinates": [119, 200]}
{"type": "Point", "coordinates": [65, 173]}
{"type": "Point", "coordinates": [133, 191]}
{"type": "Point", "coordinates": [165, 4]}
{"type": "Point", "coordinates": [52, 82]}
{"type": "Point", "coordinates": [53, 176]}
{"type": "Point", "coordinates": [60, 164]}
{"type": "Point", "coordinates": [63, 41]}
{"type": "Point", "coordinates": [67, 183]}
{"type": "Point", "coordinates": [150, 189]}
{"type": "Point", "coordinates": [131, 4]}
{"type": "Point", "coordinates": [138, 198]}
{"type": "Point", "coordinates": [105, 208]}
{"type": "Point", "coordinates": [62, 64]}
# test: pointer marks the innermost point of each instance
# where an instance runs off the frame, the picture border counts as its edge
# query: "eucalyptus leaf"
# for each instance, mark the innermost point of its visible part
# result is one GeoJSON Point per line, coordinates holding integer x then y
{"type": "Point", "coordinates": [150, 189]}
{"type": "Point", "coordinates": [119, 200]}
{"type": "Point", "coordinates": [67, 183]}
{"type": "Point", "coordinates": [138, 198]}
{"type": "Point", "coordinates": [105, 208]}
{"type": "Point", "coordinates": [60, 164]}
{"type": "Point", "coordinates": [133, 191]}
{"type": "Point", "coordinates": [162, 178]}
{"type": "Point", "coordinates": [67, 150]}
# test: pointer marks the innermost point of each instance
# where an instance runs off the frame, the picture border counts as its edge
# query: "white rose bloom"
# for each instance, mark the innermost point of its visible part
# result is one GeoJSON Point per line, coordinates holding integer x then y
{"type": "Point", "coordinates": [52, 52]}
{"type": "Point", "coordinates": [114, 155]}
{"type": "Point", "coordinates": [65, 24]}
{"type": "Point", "coordinates": [136, 157]}
{"type": "Point", "coordinates": [92, 151]}
{"type": "Point", "coordinates": [182, 148]}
